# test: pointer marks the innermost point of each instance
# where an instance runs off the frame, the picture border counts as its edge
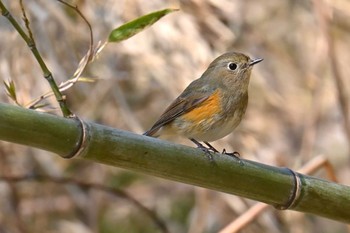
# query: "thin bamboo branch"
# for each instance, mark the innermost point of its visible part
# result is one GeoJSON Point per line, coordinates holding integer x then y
{"type": "Point", "coordinates": [90, 55]}
{"type": "Point", "coordinates": [47, 73]}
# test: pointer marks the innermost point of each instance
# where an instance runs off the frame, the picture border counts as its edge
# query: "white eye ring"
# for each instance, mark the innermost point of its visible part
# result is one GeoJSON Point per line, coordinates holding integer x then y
{"type": "Point", "coordinates": [232, 66]}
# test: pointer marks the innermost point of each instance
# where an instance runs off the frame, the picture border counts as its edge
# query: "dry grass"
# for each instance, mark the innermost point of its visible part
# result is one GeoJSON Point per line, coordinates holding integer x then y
{"type": "Point", "coordinates": [293, 115]}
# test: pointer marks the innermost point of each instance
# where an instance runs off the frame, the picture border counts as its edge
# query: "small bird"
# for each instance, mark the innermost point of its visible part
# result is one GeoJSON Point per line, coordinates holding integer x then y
{"type": "Point", "coordinates": [212, 106]}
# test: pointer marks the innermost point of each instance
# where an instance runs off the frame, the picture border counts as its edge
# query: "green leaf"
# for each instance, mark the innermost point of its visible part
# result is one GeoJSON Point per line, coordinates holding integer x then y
{"type": "Point", "coordinates": [133, 27]}
{"type": "Point", "coordinates": [11, 90]}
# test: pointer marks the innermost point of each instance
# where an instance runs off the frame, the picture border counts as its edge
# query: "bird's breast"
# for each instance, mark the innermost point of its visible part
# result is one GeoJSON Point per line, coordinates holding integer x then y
{"type": "Point", "coordinates": [213, 119]}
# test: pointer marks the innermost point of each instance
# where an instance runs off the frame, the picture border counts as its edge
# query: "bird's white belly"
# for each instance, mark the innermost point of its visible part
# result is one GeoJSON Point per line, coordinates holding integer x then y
{"type": "Point", "coordinates": [219, 130]}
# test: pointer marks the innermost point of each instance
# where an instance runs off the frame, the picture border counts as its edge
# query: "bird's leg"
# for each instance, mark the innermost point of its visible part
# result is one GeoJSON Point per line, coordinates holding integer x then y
{"type": "Point", "coordinates": [203, 148]}
{"type": "Point", "coordinates": [211, 147]}
{"type": "Point", "coordinates": [198, 144]}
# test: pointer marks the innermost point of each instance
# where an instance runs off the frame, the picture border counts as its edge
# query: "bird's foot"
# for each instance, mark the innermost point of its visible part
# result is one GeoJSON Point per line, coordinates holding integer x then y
{"type": "Point", "coordinates": [210, 147]}
{"type": "Point", "coordinates": [234, 154]}
{"type": "Point", "coordinates": [207, 150]}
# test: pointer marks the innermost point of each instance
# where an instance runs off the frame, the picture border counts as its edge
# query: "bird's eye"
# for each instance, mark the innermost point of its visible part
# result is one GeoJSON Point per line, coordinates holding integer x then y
{"type": "Point", "coordinates": [232, 66]}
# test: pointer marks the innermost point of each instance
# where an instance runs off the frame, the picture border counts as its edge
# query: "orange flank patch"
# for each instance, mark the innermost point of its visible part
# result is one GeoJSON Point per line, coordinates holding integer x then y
{"type": "Point", "coordinates": [206, 110]}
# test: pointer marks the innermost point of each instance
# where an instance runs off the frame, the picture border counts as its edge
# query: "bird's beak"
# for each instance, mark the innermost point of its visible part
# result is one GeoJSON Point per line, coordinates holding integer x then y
{"type": "Point", "coordinates": [255, 61]}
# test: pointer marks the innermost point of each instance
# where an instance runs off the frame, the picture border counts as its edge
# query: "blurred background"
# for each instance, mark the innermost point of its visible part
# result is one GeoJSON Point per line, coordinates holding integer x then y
{"type": "Point", "coordinates": [294, 113]}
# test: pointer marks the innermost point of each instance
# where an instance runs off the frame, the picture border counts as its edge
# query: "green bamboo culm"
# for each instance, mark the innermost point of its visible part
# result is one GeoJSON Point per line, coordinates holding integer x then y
{"type": "Point", "coordinates": [268, 184]}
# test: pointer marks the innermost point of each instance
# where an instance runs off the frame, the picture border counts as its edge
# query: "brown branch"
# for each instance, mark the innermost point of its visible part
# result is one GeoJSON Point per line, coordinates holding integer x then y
{"type": "Point", "coordinates": [117, 192]}
{"type": "Point", "coordinates": [324, 15]}
{"type": "Point", "coordinates": [253, 212]}
{"type": "Point", "coordinates": [14, 197]}
{"type": "Point", "coordinates": [76, 9]}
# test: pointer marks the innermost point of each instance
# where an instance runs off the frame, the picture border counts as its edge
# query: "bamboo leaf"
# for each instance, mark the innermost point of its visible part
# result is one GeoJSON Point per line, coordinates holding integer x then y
{"type": "Point", "coordinates": [39, 106]}
{"type": "Point", "coordinates": [87, 79]}
{"type": "Point", "coordinates": [11, 90]}
{"type": "Point", "coordinates": [133, 27]}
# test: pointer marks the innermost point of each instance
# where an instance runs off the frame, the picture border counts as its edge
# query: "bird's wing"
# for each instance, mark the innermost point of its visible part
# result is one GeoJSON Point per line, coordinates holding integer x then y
{"type": "Point", "coordinates": [177, 108]}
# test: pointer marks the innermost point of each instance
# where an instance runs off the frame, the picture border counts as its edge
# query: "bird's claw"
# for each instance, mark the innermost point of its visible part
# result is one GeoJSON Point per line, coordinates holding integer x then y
{"type": "Point", "coordinates": [234, 154]}
{"type": "Point", "coordinates": [207, 152]}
